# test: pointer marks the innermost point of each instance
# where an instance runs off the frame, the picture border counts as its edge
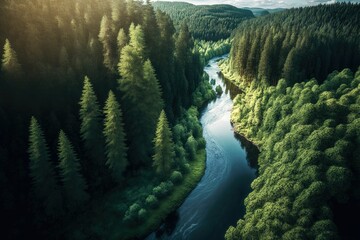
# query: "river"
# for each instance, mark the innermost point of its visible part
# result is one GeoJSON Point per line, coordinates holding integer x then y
{"type": "Point", "coordinates": [217, 202]}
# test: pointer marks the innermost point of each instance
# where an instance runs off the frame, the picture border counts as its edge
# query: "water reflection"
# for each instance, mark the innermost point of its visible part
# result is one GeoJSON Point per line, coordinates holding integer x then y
{"type": "Point", "coordinates": [218, 200]}
{"type": "Point", "coordinates": [252, 151]}
{"type": "Point", "coordinates": [229, 86]}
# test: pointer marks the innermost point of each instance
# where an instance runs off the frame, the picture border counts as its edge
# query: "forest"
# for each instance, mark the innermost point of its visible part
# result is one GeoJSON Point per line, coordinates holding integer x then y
{"type": "Point", "coordinates": [297, 44]}
{"type": "Point", "coordinates": [100, 108]}
{"type": "Point", "coordinates": [94, 97]}
{"type": "Point", "coordinates": [206, 22]}
{"type": "Point", "coordinates": [305, 123]}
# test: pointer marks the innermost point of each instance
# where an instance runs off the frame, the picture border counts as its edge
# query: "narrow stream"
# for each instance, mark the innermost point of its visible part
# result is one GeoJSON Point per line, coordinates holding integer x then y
{"type": "Point", "coordinates": [218, 200]}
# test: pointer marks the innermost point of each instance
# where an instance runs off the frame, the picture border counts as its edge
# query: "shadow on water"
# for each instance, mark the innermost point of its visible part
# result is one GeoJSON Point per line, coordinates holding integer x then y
{"type": "Point", "coordinates": [169, 225]}
{"type": "Point", "coordinates": [230, 87]}
{"type": "Point", "coordinates": [252, 152]}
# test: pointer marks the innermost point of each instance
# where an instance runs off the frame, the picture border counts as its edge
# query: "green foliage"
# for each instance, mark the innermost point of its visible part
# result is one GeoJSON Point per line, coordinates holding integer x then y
{"type": "Point", "coordinates": [218, 90]}
{"type": "Point", "coordinates": [307, 141]}
{"type": "Point", "coordinates": [191, 147]}
{"type": "Point", "coordinates": [210, 49]}
{"type": "Point", "coordinates": [151, 201]}
{"type": "Point", "coordinates": [163, 189]}
{"type": "Point", "coordinates": [42, 172]}
{"type": "Point", "coordinates": [203, 93]}
{"type": "Point", "coordinates": [163, 147]}
{"type": "Point", "coordinates": [176, 177]}
{"type": "Point", "coordinates": [9, 61]}
{"type": "Point", "coordinates": [141, 95]}
{"type": "Point", "coordinates": [132, 214]}
{"type": "Point", "coordinates": [57, 45]}
{"type": "Point", "coordinates": [207, 22]}
{"type": "Point", "coordinates": [91, 131]}
{"type": "Point", "coordinates": [297, 44]}
{"type": "Point", "coordinates": [114, 138]}
{"type": "Point", "coordinates": [73, 182]}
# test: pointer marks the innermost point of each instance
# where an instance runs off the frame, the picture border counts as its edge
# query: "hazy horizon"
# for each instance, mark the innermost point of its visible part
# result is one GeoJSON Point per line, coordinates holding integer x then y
{"type": "Point", "coordinates": [263, 3]}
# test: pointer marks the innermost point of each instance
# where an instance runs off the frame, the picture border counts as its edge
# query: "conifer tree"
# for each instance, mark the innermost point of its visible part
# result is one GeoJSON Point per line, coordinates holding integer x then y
{"type": "Point", "coordinates": [138, 80]}
{"type": "Point", "coordinates": [73, 182]}
{"type": "Point", "coordinates": [42, 172]}
{"type": "Point", "coordinates": [91, 131]}
{"type": "Point", "coordinates": [122, 40]}
{"type": "Point", "coordinates": [163, 147]}
{"type": "Point", "coordinates": [9, 63]}
{"type": "Point", "coordinates": [106, 38]}
{"type": "Point", "coordinates": [114, 138]}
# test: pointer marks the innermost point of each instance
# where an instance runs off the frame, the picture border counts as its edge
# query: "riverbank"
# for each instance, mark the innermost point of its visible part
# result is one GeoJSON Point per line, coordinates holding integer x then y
{"type": "Point", "coordinates": [235, 79]}
{"type": "Point", "coordinates": [171, 203]}
{"type": "Point", "coordinates": [231, 165]}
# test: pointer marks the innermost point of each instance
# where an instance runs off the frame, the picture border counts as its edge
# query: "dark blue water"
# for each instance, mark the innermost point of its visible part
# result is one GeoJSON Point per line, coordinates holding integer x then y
{"type": "Point", "coordinates": [218, 200]}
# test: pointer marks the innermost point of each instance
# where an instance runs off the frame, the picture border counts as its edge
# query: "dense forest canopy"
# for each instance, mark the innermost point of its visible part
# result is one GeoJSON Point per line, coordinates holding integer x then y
{"type": "Point", "coordinates": [309, 163]}
{"type": "Point", "coordinates": [298, 44]}
{"type": "Point", "coordinates": [206, 22]}
{"type": "Point", "coordinates": [95, 75]}
{"type": "Point", "coordinates": [307, 128]}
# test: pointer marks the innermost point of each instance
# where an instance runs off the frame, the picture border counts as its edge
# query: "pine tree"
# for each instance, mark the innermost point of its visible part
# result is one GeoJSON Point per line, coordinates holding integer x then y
{"type": "Point", "coordinates": [73, 182]}
{"type": "Point", "coordinates": [163, 147]}
{"type": "Point", "coordinates": [141, 107]}
{"type": "Point", "coordinates": [10, 62]}
{"type": "Point", "coordinates": [122, 40]}
{"type": "Point", "coordinates": [106, 38]}
{"type": "Point", "coordinates": [115, 138]}
{"type": "Point", "coordinates": [42, 172]}
{"type": "Point", "coordinates": [91, 131]}
{"type": "Point", "coordinates": [153, 96]}
{"type": "Point", "coordinates": [137, 40]}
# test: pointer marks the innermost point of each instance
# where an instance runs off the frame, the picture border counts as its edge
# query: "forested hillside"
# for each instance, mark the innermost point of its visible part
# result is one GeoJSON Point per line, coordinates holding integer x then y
{"type": "Point", "coordinates": [82, 86]}
{"type": "Point", "coordinates": [298, 44]}
{"type": "Point", "coordinates": [309, 163]}
{"type": "Point", "coordinates": [306, 128]}
{"type": "Point", "coordinates": [206, 22]}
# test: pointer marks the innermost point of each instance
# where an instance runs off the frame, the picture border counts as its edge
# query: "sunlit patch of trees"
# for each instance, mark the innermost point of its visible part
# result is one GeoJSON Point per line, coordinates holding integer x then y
{"type": "Point", "coordinates": [309, 136]}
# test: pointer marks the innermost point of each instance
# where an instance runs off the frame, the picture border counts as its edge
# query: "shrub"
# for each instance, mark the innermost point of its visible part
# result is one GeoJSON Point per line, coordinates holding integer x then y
{"type": "Point", "coordinates": [176, 177]}
{"type": "Point", "coordinates": [191, 147]}
{"type": "Point", "coordinates": [131, 215]}
{"type": "Point", "coordinates": [142, 214]}
{"type": "Point", "coordinates": [185, 168]}
{"type": "Point", "coordinates": [212, 82]}
{"type": "Point", "coordinates": [201, 143]}
{"type": "Point", "coordinates": [218, 90]}
{"type": "Point", "coordinates": [163, 189]}
{"type": "Point", "coordinates": [152, 201]}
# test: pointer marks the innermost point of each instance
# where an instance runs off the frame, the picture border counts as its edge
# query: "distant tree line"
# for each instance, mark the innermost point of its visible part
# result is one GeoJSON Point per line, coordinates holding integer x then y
{"type": "Point", "coordinates": [93, 77]}
{"type": "Point", "coordinates": [206, 22]}
{"type": "Point", "coordinates": [298, 44]}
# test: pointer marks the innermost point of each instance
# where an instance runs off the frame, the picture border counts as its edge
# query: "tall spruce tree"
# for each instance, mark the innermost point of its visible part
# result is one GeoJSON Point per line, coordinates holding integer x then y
{"type": "Point", "coordinates": [141, 96]}
{"type": "Point", "coordinates": [115, 138]}
{"type": "Point", "coordinates": [163, 147]}
{"type": "Point", "coordinates": [9, 62]}
{"type": "Point", "coordinates": [91, 133]}
{"type": "Point", "coordinates": [73, 182]}
{"type": "Point", "coordinates": [122, 40]}
{"type": "Point", "coordinates": [45, 187]}
{"type": "Point", "coordinates": [107, 40]}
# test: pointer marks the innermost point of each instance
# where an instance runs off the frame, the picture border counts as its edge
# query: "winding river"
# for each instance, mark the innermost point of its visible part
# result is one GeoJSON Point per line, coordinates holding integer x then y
{"type": "Point", "coordinates": [218, 200]}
